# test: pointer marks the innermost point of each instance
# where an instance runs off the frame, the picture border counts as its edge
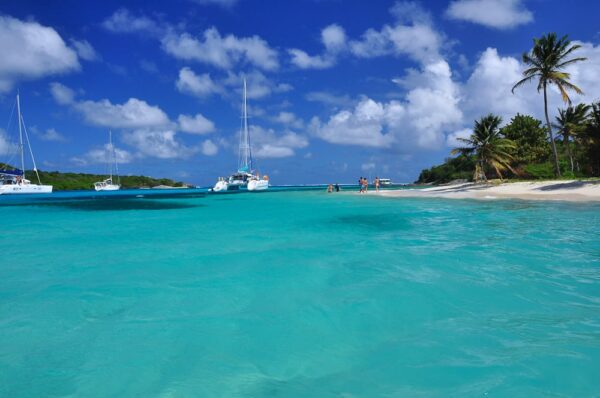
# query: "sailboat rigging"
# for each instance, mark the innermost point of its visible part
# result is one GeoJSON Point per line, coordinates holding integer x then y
{"type": "Point", "coordinates": [108, 184]}
{"type": "Point", "coordinates": [245, 177]}
{"type": "Point", "coordinates": [14, 181]}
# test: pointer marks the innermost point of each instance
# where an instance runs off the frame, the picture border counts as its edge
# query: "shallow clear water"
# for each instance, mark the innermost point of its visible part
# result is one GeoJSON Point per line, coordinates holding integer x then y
{"type": "Point", "coordinates": [299, 294]}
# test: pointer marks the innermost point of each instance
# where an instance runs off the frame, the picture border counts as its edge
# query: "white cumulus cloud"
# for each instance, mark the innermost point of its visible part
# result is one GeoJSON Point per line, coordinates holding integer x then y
{"type": "Point", "coordinates": [302, 60]}
{"type": "Point", "coordinates": [429, 108]}
{"type": "Point", "coordinates": [364, 125]}
{"type": "Point", "coordinates": [146, 128]}
{"type": "Point", "coordinates": [61, 93]}
{"type": "Point", "coordinates": [223, 52]}
{"type": "Point", "coordinates": [52, 135]}
{"type": "Point", "coordinates": [103, 155]}
{"type": "Point", "coordinates": [333, 38]}
{"type": "Point", "coordinates": [210, 48]}
{"type": "Point", "coordinates": [258, 85]}
{"type": "Point", "coordinates": [499, 14]}
{"type": "Point", "coordinates": [412, 34]}
{"type": "Point", "coordinates": [202, 85]}
{"type": "Point", "coordinates": [31, 51]}
{"type": "Point", "coordinates": [158, 143]}
{"type": "Point", "coordinates": [269, 144]}
{"type": "Point", "coordinates": [289, 119]}
{"type": "Point", "coordinates": [209, 148]}
{"type": "Point", "coordinates": [452, 138]}
{"type": "Point", "coordinates": [488, 89]}
{"type": "Point", "coordinates": [134, 113]}
{"type": "Point", "coordinates": [122, 21]}
{"type": "Point", "coordinates": [85, 50]}
{"type": "Point", "coordinates": [197, 124]}
{"type": "Point", "coordinates": [585, 74]}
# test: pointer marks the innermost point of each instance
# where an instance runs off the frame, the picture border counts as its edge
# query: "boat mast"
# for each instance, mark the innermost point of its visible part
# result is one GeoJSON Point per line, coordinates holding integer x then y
{"type": "Point", "coordinates": [110, 148]}
{"type": "Point", "coordinates": [114, 152]}
{"type": "Point", "coordinates": [245, 161]}
{"type": "Point", "coordinates": [20, 136]}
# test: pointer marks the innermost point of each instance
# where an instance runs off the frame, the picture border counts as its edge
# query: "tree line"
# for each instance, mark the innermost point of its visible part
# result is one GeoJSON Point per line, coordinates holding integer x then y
{"type": "Point", "coordinates": [76, 181]}
{"type": "Point", "coordinates": [525, 147]}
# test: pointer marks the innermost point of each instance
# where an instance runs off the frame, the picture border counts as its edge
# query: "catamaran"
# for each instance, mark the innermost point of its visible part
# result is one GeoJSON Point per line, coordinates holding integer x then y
{"type": "Point", "coordinates": [14, 181]}
{"type": "Point", "coordinates": [245, 177]}
{"type": "Point", "coordinates": [108, 185]}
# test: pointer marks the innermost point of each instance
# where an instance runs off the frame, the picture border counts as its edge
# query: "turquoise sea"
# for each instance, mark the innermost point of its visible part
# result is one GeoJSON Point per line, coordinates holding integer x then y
{"type": "Point", "coordinates": [299, 294]}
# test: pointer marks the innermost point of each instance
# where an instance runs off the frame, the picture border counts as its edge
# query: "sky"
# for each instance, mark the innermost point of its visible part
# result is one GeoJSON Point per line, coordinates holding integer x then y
{"type": "Point", "coordinates": [337, 89]}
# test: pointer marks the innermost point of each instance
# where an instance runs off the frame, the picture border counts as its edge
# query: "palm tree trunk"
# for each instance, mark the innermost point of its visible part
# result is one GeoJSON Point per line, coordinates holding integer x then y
{"type": "Point", "coordinates": [569, 153]}
{"type": "Point", "coordinates": [556, 165]}
{"type": "Point", "coordinates": [483, 170]}
{"type": "Point", "coordinates": [576, 148]}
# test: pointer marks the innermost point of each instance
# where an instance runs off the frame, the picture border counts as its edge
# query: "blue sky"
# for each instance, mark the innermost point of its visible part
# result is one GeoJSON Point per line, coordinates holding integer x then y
{"type": "Point", "coordinates": [338, 89]}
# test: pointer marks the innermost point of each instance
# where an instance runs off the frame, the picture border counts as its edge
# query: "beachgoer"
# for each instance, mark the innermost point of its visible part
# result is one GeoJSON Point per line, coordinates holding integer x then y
{"type": "Point", "coordinates": [360, 185]}
{"type": "Point", "coordinates": [337, 187]}
{"type": "Point", "coordinates": [366, 185]}
{"type": "Point", "coordinates": [377, 184]}
{"type": "Point", "coordinates": [329, 188]}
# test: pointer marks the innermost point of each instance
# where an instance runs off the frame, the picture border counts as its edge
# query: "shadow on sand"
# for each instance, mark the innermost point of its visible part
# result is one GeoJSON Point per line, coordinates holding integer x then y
{"type": "Point", "coordinates": [461, 188]}
{"type": "Point", "coordinates": [567, 185]}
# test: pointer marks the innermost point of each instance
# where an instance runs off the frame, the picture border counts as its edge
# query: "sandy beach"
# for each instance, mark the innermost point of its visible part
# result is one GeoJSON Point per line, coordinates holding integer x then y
{"type": "Point", "coordinates": [565, 190]}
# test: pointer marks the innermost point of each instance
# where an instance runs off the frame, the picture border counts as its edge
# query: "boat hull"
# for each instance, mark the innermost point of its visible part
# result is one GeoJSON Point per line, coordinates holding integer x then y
{"type": "Point", "coordinates": [220, 186]}
{"type": "Point", "coordinates": [18, 189]}
{"type": "Point", "coordinates": [258, 185]}
{"type": "Point", "coordinates": [109, 187]}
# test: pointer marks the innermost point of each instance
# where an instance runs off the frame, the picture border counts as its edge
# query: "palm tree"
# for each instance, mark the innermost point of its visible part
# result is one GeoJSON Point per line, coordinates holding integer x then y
{"type": "Point", "coordinates": [488, 146]}
{"type": "Point", "coordinates": [570, 123]}
{"type": "Point", "coordinates": [546, 61]}
{"type": "Point", "coordinates": [591, 139]}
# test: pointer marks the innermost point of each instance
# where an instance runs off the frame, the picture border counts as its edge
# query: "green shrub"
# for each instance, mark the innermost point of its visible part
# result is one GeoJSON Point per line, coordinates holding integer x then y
{"type": "Point", "coordinates": [539, 171]}
{"type": "Point", "coordinates": [458, 168]}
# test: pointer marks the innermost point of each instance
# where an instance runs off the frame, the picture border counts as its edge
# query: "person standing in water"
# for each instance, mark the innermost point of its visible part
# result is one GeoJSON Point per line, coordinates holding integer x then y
{"type": "Point", "coordinates": [337, 187]}
{"type": "Point", "coordinates": [376, 184]}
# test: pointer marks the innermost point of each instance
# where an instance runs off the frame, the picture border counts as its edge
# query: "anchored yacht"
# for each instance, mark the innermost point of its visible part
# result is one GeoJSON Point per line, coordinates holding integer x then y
{"type": "Point", "coordinates": [246, 177]}
{"type": "Point", "coordinates": [13, 181]}
{"type": "Point", "coordinates": [108, 184]}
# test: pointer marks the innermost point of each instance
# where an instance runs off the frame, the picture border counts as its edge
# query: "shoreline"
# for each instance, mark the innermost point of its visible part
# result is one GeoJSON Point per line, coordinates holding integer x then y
{"type": "Point", "coordinates": [559, 190]}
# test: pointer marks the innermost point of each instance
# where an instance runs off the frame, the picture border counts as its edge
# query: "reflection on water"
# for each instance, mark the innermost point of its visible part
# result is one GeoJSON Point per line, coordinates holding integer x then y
{"type": "Point", "coordinates": [383, 222]}
{"type": "Point", "coordinates": [117, 205]}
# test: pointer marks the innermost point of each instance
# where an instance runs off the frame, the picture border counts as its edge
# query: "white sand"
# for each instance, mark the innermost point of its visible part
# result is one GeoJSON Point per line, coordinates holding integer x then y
{"type": "Point", "coordinates": [567, 190]}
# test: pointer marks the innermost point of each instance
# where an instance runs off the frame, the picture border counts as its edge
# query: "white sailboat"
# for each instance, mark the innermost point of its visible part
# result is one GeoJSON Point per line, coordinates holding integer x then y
{"type": "Point", "coordinates": [14, 181]}
{"type": "Point", "coordinates": [108, 184]}
{"type": "Point", "coordinates": [245, 177]}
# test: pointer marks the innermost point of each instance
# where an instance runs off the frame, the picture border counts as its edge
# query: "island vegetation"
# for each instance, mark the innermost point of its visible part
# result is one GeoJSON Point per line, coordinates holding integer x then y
{"type": "Point", "coordinates": [78, 181]}
{"type": "Point", "coordinates": [526, 148]}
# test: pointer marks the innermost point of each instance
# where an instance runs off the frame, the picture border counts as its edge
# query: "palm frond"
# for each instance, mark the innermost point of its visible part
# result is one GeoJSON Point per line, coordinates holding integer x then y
{"type": "Point", "coordinates": [521, 82]}
{"type": "Point", "coordinates": [571, 86]}
{"type": "Point", "coordinates": [571, 61]}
